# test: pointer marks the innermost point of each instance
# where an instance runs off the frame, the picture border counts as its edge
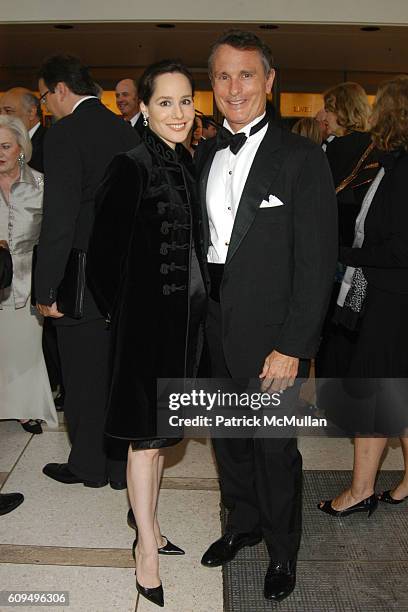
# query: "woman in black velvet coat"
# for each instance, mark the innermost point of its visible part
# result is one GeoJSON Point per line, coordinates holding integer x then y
{"type": "Point", "coordinates": [145, 278]}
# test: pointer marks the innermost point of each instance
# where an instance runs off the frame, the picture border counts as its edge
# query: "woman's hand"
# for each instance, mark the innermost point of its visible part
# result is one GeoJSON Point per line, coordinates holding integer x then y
{"type": "Point", "coordinates": [4, 244]}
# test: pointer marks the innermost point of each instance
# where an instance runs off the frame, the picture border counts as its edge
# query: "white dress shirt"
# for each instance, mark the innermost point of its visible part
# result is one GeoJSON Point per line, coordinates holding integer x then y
{"type": "Point", "coordinates": [226, 181]}
{"type": "Point", "coordinates": [33, 130]}
{"type": "Point", "coordinates": [134, 119]}
{"type": "Point", "coordinates": [327, 140]}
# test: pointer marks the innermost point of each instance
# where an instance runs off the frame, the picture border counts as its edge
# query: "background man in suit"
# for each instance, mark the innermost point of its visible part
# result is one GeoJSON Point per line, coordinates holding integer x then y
{"type": "Point", "coordinates": [127, 102]}
{"type": "Point", "coordinates": [209, 127]}
{"type": "Point", "coordinates": [22, 103]}
{"type": "Point", "coordinates": [269, 220]}
{"type": "Point", "coordinates": [77, 150]}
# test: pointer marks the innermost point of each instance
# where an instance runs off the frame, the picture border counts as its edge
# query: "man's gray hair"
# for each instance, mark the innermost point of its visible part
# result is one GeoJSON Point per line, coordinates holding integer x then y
{"type": "Point", "coordinates": [17, 127]}
{"type": "Point", "coordinates": [245, 41]}
{"type": "Point", "coordinates": [29, 100]}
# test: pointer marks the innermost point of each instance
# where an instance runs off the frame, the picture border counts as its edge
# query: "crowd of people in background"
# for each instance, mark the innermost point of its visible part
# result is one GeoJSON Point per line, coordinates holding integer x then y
{"type": "Point", "coordinates": [124, 191]}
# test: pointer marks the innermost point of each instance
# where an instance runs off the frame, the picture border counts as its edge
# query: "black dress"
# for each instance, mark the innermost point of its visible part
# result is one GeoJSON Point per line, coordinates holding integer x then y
{"type": "Point", "coordinates": [375, 366]}
{"type": "Point", "coordinates": [343, 154]}
{"type": "Point", "coordinates": [145, 278]}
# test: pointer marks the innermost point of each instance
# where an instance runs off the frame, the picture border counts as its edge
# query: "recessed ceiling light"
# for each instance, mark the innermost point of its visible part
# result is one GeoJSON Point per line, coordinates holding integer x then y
{"type": "Point", "coordinates": [165, 26]}
{"type": "Point", "coordinates": [268, 26]}
{"type": "Point", "coordinates": [64, 26]}
{"type": "Point", "coordinates": [370, 29]}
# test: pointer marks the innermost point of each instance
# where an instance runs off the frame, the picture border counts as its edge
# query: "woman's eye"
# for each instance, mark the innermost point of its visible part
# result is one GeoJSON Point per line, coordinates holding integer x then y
{"type": "Point", "coordinates": [187, 101]}
{"type": "Point", "coordinates": [165, 103]}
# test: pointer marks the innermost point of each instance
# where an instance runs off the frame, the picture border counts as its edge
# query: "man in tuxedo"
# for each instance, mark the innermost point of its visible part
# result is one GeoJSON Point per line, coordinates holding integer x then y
{"type": "Point", "coordinates": [25, 105]}
{"type": "Point", "coordinates": [77, 150]}
{"type": "Point", "coordinates": [321, 118]}
{"type": "Point", "coordinates": [127, 102]}
{"type": "Point", "coordinates": [270, 234]}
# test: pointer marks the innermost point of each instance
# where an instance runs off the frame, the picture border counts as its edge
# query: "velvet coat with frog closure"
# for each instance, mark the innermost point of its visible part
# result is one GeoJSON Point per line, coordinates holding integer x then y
{"type": "Point", "coordinates": [144, 275]}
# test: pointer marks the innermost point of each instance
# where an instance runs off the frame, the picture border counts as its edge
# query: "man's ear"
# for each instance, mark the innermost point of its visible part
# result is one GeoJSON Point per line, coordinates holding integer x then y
{"type": "Point", "coordinates": [62, 89]}
{"type": "Point", "coordinates": [269, 81]}
{"type": "Point", "coordinates": [32, 114]}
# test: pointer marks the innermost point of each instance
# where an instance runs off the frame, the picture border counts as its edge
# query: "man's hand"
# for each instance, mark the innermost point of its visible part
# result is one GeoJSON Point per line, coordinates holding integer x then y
{"type": "Point", "coordinates": [279, 372]}
{"type": "Point", "coordinates": [4, 244]}
{"type": "Point", "coordinates": [49, 311]}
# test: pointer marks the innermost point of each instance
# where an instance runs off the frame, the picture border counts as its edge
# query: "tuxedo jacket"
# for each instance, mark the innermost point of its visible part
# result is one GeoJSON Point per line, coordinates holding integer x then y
{"type": "Point", "coordinates": [37, 157]}
{"type": "Point", "coordinates": [77, 150]}
{"type": "Point", "coordinates": [281, 259]}
{"type": "Point", "coordinates": [139, 127]}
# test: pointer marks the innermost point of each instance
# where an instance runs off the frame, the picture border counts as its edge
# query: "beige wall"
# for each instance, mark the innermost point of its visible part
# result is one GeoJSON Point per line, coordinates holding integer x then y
{"type": "Point", "coordinates": [393, 12]}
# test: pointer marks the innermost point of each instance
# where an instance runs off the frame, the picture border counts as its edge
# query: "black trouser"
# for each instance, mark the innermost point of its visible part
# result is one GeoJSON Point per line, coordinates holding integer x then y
{"type": "Point", "coordinates": [260, 478]}
{"type": "Point", "coordinates": [84, 358]}
{"type": "Point", "coordinates": [51, 354]}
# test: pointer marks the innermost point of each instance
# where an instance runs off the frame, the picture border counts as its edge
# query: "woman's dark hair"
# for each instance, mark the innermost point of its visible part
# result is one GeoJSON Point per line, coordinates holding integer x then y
{"type": "Point", "coordinates": [69, 70]}
{"type": "Point", "coordinates": [147, 80]}
{"type": "Point", "coordinates": [245, 41]}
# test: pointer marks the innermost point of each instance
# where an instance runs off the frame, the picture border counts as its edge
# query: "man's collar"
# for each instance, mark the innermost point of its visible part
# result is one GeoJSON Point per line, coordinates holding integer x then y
{"type": "Point", "coordinates": [82, 100]}
{"type": "Point", "coordinates": [247, 128]}
{"type": "Point", "coordinates": [134, 119]}
{"type": "Point", "coordinates": [33, 130]}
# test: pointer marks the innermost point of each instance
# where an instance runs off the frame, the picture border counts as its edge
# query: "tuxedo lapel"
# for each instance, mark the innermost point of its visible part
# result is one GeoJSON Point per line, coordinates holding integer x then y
{"type": "Point", "coordinates": [205, 171]}
{"type": "Point", "coordinates": [265, 167]}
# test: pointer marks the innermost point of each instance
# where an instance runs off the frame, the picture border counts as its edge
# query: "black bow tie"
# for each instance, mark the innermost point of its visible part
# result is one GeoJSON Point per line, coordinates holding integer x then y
{"type": "Point", "coordinates": [235, 142]}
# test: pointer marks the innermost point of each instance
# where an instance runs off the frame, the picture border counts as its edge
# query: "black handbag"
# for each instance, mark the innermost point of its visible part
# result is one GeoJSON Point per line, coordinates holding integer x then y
{"type": "Point", "coordinates": [70, 293]}
{"type": "Point", "coordinates": [6, 268]}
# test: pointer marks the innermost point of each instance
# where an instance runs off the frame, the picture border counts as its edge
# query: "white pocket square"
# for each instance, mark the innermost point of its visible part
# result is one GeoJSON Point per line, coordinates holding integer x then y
{"type": "Point", "coordinates": [273, 201]}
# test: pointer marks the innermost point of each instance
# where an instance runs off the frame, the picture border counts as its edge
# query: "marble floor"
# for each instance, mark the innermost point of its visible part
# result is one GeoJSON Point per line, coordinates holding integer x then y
{"type": "Point", "coordinates": [75, 539]}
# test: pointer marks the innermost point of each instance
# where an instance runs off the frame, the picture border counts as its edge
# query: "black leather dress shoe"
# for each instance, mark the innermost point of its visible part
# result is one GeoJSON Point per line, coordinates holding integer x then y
{"type": "Point", "coordinates": [10, 501]}
{"type": "Point", "coordinates": [224, 550]}
{"type": "Point", "coordinates": [62, 473]}
{"type": "Point", "coordinates": [280, 580]}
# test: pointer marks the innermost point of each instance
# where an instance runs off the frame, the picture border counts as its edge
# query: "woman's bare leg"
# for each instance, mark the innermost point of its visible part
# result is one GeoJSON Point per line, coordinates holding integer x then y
{"type": "Point", "coordinates": [401, 490]}
{"type": "Point", "coordinates": [157, 532]}
{"type": "Point", "coordinates": [143, 487]}
{"type": "Point", "coordinates": [367, 455]}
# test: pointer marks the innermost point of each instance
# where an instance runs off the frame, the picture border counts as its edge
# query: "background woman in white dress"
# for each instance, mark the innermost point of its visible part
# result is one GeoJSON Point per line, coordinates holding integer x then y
{"type": "Point", "coordinates": [25, 392]}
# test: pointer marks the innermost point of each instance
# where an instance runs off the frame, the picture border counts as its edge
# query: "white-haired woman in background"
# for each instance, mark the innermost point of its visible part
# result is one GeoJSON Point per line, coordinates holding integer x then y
{"type": "Point", "coordinates": [25, 392]}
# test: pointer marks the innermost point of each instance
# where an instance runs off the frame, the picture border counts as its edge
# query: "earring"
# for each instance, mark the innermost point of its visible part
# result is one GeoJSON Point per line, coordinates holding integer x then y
{"type": "Point", "coordinates": [21, 159]}
{"type": "Point", "coordinates": [145, 120]}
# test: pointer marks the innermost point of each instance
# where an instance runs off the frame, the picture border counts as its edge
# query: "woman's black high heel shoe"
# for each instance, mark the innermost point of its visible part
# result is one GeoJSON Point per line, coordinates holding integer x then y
{"type": "Point", "coordinates": [154, 595]}
{"type": "Point", "coordinates": [33, 426]}
{"type": "Point", "coordinates": [168, 549]}
{"type": "Point", "coordinates": [368, 505]}
{"type": "Point", "coordinates": [386, 497]}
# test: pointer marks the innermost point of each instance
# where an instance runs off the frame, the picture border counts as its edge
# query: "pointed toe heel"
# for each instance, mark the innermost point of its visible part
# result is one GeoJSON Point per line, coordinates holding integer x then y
{"type": "Point", "coordinates": [387, 498]}
{"type": "Point", "coordinates": [369, 505]}
{"type": "Point", "coordinates": [155, 595]}
{"type": "Point", "coordinates": [168, 549]}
